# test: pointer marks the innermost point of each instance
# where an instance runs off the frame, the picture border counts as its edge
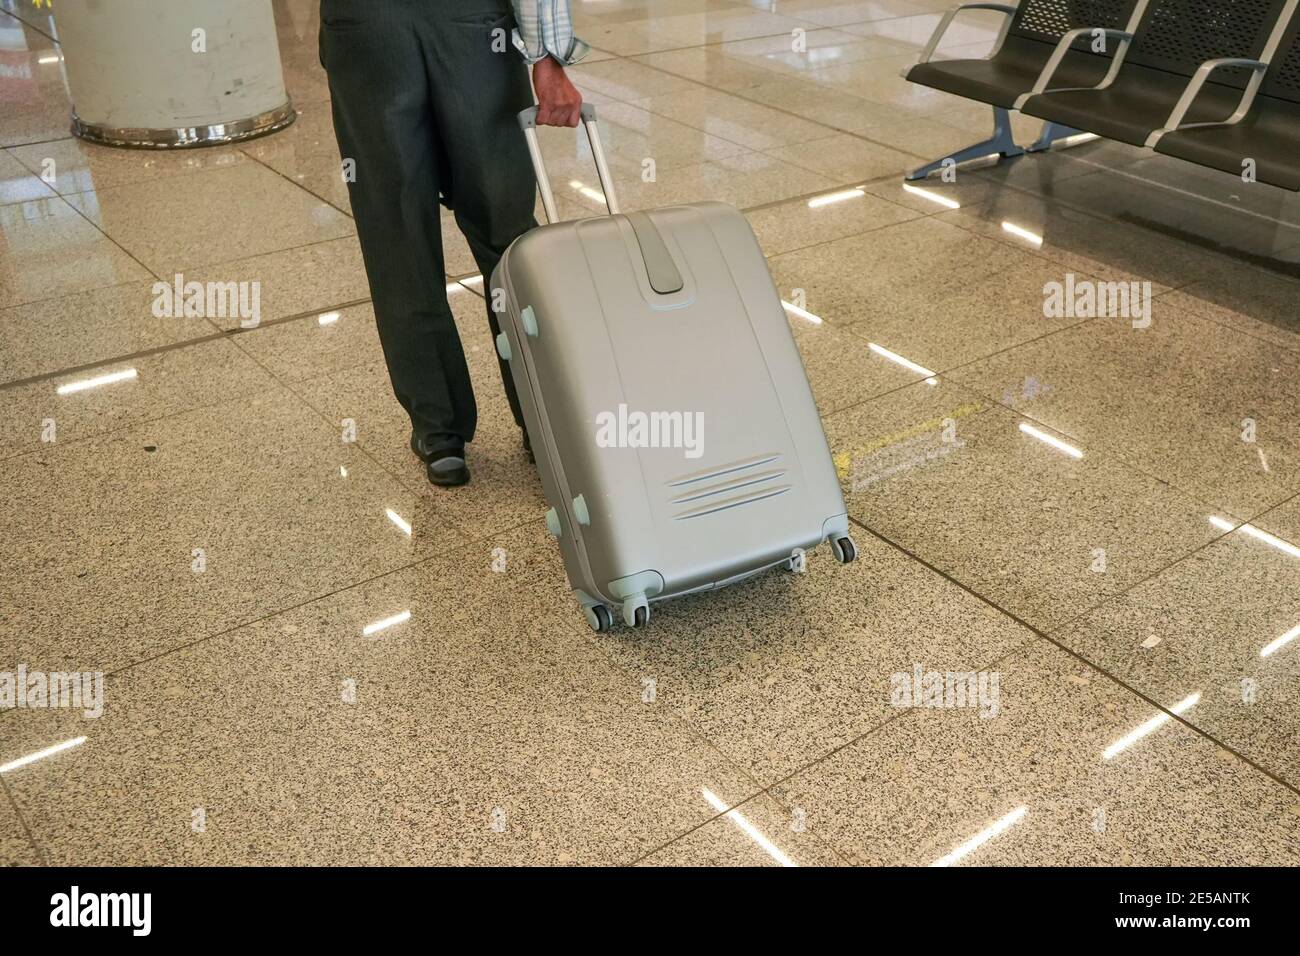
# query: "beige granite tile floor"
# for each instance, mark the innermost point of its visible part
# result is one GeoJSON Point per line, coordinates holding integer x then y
{"type": "Point", "coordinates": [920, 789]}
{"type": "Point", "coordinates": [792, 224]}
{"type": "Point", "coordinates": [1218, 417]}
{"type": "Point", "coordinates": [1081, 242]}
{"type": "Point", "coordinates": [79, 330]}
{"type": "Point", "coordinates": [955, 479]}
{"type": "Point", "coordinates": [51, 250]}
{"type": "Point", "coordinates": [372, 670]}
{"type": "Point", "coordinates": [843, 158]}
{"type": "Point", "coordinates": [18, 183]}
{"type": "Point", "coordinates": [485, 727]}
{"type": "Point", "coordinates": [758, 832]}
{"type": "Point", "coordinates": [1255, 301]}
{"type": "Point", "coordinates": [507, 489]}
{"type": "Point", "coordinates": [301, 281]}
{"type": "Point", "coordinates": [847, 281]}
{"type": "Point", "coordinates": [78, 166]}
{"type": "Point", "coordinates": [100, 563]}
{"type": "Point", "coordinates": [630, 134]}
{"type": "Point", "coordinates": [306, 153]}
{"type": "Point", "coordinates": [57, 411]}
{"type": "Point", "coordinates": [733, 118]}
{"type": "Point", "coordinates": [1222, 623]}
{"type": "Point", "coordinates": [36, 101]}
{"type": "Point", "coordinates": [984, 316]}
{"type": "Point", "coordinates": [16, 847]}
{"type": "Point", "coordinates": [742, 180]}
{"type": "Point", "coordinates": [631, 37]}
{"type": "Point", "coordinates": [316, 345]}
{"type": "Point", "coordinates": [783, 670]}
{"type": "Point", "coordinates": [1282, 521]}
{"type": "Point", "coordinates": [179, 224]}
{"type": "Point", "coordinates": [298, 25]}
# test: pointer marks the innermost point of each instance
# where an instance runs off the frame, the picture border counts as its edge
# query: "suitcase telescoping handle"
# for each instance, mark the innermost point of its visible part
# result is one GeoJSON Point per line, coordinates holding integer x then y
{"type": "Point", "coordinates": [528, 122]}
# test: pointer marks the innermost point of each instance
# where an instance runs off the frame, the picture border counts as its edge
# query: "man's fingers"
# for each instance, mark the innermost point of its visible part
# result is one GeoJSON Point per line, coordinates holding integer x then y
{"type": "Point", "coordinates": [559, 116]}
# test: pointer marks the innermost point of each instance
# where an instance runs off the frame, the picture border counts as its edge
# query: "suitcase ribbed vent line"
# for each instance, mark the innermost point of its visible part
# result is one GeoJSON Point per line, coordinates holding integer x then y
{"type": "Point", "coordinates": [724, 470]}
{"type": "Point", "coordinates": [709, 491]}
{"type": "Point", "coordinates": [726, 503]}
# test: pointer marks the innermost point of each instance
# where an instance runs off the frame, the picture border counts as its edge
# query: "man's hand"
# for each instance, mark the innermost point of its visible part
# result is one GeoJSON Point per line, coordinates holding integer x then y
{"type": "Point", "coordinates": [558, 100]}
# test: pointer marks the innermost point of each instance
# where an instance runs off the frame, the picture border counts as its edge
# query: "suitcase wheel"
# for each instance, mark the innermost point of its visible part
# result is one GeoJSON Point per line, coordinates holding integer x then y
{"type": "Point", "coordinates": [636, 610]}
{"type": "Point", "coordinates": [844, 548]}
{"type": "Point", "coordinates": [598, 617]}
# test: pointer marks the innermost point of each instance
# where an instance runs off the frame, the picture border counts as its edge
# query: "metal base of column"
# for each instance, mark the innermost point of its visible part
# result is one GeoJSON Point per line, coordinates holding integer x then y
{"type": "Point", "coordinates": [187, 137]}
{"type": "Point", "coordinates": [1000, 144]}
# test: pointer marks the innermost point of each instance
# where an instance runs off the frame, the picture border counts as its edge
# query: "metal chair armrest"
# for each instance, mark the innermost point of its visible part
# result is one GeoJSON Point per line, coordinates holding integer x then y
{"type": "Point", "coordinates": [1063, 47]}
{"type": "Point", "coordinates": [942, 28]}
{"type": "Point", "coordinates": [1197, 82]}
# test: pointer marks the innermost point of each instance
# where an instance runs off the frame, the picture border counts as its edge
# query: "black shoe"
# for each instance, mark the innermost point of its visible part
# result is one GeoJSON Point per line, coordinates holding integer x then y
{"type": "Point", "coordinates": [447, 467]}
{"type": "Point", "coordinates": [445, 462]}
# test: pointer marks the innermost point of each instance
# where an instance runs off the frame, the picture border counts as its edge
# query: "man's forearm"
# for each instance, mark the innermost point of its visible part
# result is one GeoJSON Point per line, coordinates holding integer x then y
{"type": "Point", "coordinates": [545, 28]}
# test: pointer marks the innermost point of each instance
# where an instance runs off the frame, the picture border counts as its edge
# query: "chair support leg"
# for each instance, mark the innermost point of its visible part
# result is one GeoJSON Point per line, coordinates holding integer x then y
{"type": "Point", "coordinates": [1051, 133]}
{"type": "Point", "coordinates": [1000, 143]}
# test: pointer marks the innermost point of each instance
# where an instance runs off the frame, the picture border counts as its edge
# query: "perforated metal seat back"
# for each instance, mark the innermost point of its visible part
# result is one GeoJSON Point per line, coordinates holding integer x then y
{"type": "Point", "coordinates": [1047, 20]}
{"type": "Point", "coordinates": [1282, 81]}
{"type": "Point", "coordinates": [1177, 36]}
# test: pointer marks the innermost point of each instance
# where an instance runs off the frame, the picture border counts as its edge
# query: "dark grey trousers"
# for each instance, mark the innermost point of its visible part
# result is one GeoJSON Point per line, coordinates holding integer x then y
{"type": "Point", "coordinates": [426, 108]}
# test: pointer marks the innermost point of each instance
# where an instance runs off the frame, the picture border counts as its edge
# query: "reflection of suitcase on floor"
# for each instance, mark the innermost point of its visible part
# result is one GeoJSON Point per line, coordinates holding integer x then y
{"type": "Point", "coordinates": [674, 429]}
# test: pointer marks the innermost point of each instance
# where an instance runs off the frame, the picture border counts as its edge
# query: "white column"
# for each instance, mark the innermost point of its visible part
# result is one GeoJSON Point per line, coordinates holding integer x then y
{"type": "Point", "coordinates": [169, 73]}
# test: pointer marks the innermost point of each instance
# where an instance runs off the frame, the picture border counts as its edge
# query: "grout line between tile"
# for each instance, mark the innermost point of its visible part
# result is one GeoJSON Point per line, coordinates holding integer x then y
{"type": "Point", "coordinates": [173, 346]}
{"type": "Point", "coordinates": [29, 24]}
{"type": "Point", "coordinates": [41, 856]}
{"type": "Point", "coordinates": [1075, 654]}
{"type": "Point", "coordinates": [313, 599]}
{"type": "Point", "coordinates": [738, 94]}
{"type": "Point", "coordinates": [901, 714]}
{"type": "Point", "coordinates": [355, 302]}
{"type": "Point", "coordinates": [1067, 626]}
{"type": "Point", "coordinates": [96, 226]}
{"type": "Point", "coordinates": [699, 735]}
{"type": "Point", "coordinates": [315, 195]}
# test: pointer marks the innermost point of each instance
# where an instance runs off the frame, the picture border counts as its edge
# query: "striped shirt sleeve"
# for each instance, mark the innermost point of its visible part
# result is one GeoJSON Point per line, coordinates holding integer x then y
{"type": "Point", "coordinates": [545, 28]}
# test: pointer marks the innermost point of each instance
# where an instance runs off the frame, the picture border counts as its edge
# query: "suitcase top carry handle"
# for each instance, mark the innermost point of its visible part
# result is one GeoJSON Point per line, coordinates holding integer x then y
{"type": "Point", "coordinates": [528, 123]}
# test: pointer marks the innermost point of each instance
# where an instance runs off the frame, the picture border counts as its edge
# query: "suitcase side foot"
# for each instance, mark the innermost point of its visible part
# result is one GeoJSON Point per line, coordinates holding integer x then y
{"type": "Point", "coordinates": [834, 527]}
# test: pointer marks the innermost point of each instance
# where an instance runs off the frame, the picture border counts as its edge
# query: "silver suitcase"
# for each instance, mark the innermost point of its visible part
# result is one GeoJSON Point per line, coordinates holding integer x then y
{"type": "Point", "coordinates": [665, 401]}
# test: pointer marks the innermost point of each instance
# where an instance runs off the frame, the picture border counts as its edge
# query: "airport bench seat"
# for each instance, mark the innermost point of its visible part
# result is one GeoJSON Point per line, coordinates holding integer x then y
{"type": "Point", "coordinates": [1269, 135]}
{"type": "Point", "coordinates": [1137, 104]}
{"type": "Point", "coordinates": [1025, 45]}
{"type": "Point", "coordinates": [1213, 82]}
{"type": "Point", "coordinates": [1000, 80]}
